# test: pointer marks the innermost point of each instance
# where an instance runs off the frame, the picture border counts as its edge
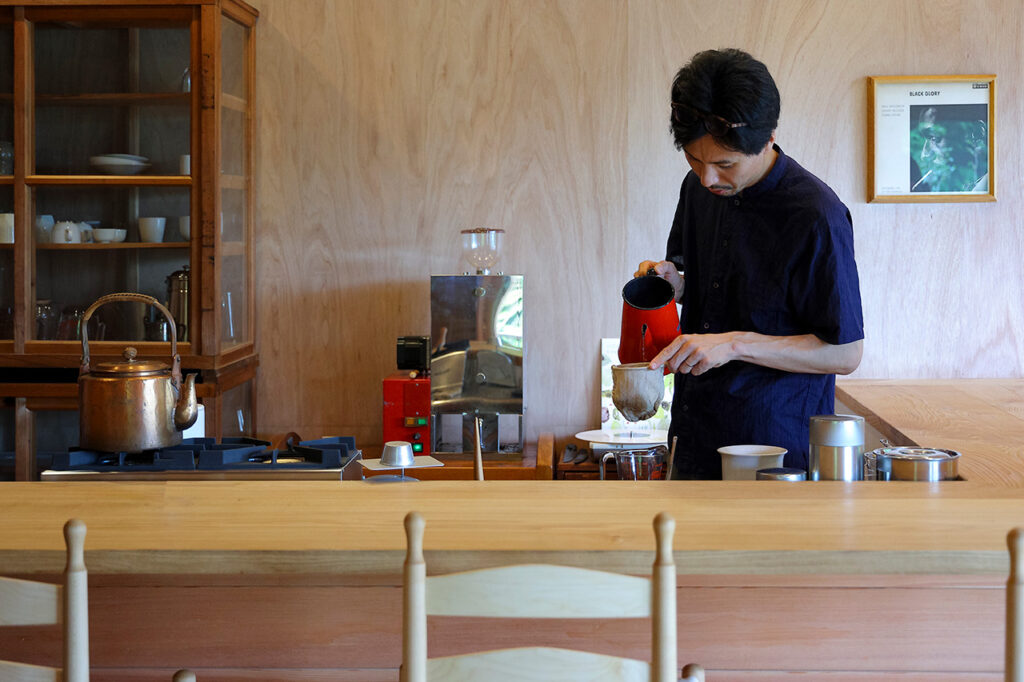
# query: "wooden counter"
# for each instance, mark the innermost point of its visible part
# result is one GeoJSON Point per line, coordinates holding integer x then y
{"type": "Point", "coordinates": [301, 580]}
{"type": "Point", "coordinates": [983, 419]}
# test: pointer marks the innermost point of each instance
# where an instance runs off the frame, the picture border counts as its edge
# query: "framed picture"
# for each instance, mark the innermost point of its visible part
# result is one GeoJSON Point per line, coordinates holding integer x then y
{"type": "Point", "coordinates": [931, 138]}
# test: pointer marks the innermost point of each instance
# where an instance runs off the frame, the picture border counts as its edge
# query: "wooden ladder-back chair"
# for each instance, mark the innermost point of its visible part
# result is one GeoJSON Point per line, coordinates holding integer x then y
{"type": "Point", "coordinates": [27, 602]}
{"type": "Point", "coordinates": [540, 591]}
{"type": "Point", "coordinates": [1015, 608]}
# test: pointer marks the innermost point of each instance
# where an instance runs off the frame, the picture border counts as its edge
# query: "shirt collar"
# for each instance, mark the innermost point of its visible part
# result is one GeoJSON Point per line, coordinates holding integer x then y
{"type": "Point", "coordinates": [770, 181]}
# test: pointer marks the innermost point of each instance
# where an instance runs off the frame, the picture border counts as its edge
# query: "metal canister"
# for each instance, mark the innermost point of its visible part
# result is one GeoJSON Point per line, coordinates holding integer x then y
{"type": "Point", "coordinates": [178, 301]}
{"type": "Point", "coordinates": [837, 448]}
{"type": "Point", "coordinates": [781, 474]}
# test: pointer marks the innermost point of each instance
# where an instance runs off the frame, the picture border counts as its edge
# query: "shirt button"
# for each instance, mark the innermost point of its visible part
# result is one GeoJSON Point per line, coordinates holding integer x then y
{"type": "Point", "coordinates": [706, 325]}
{"type": "Point", "coordinates": [736, 202]}
{"type": "Point", "coordinates": [725, 242]}
{"type": "Point", "coordinates": [714, 284]}
{"type": "Point", "coordinates": [685, 408]}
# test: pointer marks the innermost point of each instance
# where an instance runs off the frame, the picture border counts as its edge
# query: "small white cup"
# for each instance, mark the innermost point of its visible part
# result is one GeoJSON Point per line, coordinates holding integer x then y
{"type": "Point", "coordinates": [185, 164]}
{"type": "Point", "coordinates": [44, 228]}
{"type": "Point", "coordinates": [185, 227]}
{"type": "Point", "coordinates": [152, 229]}
{"type": "Point", "coordinates": [6, 228]}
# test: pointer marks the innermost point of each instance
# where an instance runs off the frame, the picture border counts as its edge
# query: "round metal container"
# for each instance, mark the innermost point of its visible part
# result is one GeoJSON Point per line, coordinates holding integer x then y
{"type": "Point", "coordinates": [913, 464]}
{"type": "Point", "coordinates": [781, 474]}
{"type": "Point", "coordinates": [836, 448]}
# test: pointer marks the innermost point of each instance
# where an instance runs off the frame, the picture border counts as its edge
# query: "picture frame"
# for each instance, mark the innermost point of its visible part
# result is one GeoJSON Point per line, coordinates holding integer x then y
{"type": "Point", "coordinates": [931, 138]}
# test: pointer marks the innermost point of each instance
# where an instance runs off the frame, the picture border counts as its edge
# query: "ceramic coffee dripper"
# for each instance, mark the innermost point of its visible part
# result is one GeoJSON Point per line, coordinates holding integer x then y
{"type": "Point", "coordinates": [637, 391]}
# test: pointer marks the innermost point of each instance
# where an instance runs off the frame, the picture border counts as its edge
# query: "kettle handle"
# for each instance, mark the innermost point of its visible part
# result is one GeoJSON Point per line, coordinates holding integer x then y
{"type": "Point", "coordinates": [139, 298]}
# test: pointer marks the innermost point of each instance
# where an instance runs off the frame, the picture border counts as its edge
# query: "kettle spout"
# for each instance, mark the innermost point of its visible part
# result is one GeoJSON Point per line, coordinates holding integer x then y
{"type": "Point", "coordinates": [187, 408]}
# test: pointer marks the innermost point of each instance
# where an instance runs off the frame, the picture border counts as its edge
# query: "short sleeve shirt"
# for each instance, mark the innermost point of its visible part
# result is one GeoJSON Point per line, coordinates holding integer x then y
{"type": "Point", "coordinates": [776, 259]}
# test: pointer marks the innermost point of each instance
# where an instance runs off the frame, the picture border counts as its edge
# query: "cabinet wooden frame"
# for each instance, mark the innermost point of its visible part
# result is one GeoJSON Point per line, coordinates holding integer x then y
{"type": "Point", "coordinates": [223, 363]}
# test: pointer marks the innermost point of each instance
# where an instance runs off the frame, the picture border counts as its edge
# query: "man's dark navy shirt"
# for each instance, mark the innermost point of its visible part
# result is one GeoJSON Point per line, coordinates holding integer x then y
{"type": "Point", "coordinates": [776, 259]}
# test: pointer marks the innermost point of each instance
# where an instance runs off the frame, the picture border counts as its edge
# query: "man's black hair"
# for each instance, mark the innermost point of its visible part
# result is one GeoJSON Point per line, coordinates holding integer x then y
{"type": "Point", "coordinates": [730, 84]}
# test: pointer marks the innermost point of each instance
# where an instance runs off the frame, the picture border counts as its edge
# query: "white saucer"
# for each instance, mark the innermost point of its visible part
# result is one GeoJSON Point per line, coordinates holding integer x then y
{"type": "Point", "coordinates": [420, 462]}
{"type": "Point", "coordinates": [624, 436]}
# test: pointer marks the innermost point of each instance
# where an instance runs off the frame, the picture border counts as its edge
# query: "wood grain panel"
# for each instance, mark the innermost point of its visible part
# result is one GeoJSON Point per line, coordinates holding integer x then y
{"type": "Point", "coordinates": [383, 128]}
{"type": "Point", "coordinates": [730, 628]}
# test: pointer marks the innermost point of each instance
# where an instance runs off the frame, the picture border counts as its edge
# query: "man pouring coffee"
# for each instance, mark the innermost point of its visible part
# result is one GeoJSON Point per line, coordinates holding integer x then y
{"type": "Point", "coordinates": [760, 255]}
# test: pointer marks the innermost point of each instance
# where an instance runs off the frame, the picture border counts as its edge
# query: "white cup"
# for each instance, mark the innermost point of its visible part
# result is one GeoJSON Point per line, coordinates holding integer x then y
{"type": "Point", "coordinates": [6, 228]}
{"type": "Point", "coordinates": [185, 164]}
{"type": "Point", "coordinates": [152, 229]}
{"type": "Point", "coordinates": [44, 228]}
{"type": "Point", "coordinates": [86, 231]}
{"type": "Point", "coordinates": [185, 227]}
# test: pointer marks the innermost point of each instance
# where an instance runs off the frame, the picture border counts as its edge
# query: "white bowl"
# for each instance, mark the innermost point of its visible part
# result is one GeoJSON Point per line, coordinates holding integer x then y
{"type": "Point", "coordinates": [120, 164]}
{"type": "Point", "coordinates": [397, 453]}
{"type": "Point", "coordinates": [104, 235]}
{"type": "Point", "coordinates": [741, 462]}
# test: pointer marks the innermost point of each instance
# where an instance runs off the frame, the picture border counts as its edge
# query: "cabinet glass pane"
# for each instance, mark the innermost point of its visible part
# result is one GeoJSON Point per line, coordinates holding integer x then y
{"type": "Point", "coordinates": [71, 273]}
{"type": "Point", "coordinates": [235, 327]}
{"type": "Point", "coordinates": [111, 90]}
{"type": "Point", "coordinates": [6, 263]}
{"type": "Point", "coordinates": [238, 411]}
{"type": "Point", "coordinates": [6, 98]}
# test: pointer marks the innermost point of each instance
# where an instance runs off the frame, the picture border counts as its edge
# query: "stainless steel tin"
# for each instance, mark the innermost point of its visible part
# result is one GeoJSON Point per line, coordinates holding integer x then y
{"type": "Point", "coordinates": [836, 448]}
{"type": "Point", "coordinates": [912, 464]}
{"type": "Point", "coordinates": [781, 474]}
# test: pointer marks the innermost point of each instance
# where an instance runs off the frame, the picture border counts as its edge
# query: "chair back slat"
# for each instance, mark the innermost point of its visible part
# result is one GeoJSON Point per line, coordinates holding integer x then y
{"type": "Point", "coordinates": [539, 591]}
{"type": "Point", "coordinates": [27, 602]}
{"type": "Point", "coordinates": [23, 672]}
{"type": "Point", "coordinates": [540, 664]}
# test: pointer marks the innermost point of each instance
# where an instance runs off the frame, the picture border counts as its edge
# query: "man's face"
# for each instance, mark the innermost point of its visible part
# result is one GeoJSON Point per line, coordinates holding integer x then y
{"type": "Point", "coordinates": [726, 172]}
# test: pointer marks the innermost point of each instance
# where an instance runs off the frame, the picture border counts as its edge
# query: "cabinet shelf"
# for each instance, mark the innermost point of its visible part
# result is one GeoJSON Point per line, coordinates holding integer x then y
{"type": "Point", "coordinates": [151, 180]}
{"type": "Point", "coordinates": [112, 99]}
{"type": "Point", "coordinates": [112, 245]}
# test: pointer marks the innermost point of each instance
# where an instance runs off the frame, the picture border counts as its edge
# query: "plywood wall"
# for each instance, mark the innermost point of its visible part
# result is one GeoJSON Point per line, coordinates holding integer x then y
{"type": "Point", "coordinates": [386, 126]}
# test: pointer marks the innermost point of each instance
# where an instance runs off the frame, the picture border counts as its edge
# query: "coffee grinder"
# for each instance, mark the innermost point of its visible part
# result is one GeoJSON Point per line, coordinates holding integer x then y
{"type": "Point", "coordinates": [476, 363]}
{"type": "Point", "coordinates": [406, 414]}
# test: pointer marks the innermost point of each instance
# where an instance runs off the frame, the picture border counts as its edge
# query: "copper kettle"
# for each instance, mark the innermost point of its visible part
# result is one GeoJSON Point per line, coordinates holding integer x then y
{"type": "Point", "coordinates": [133, 405]}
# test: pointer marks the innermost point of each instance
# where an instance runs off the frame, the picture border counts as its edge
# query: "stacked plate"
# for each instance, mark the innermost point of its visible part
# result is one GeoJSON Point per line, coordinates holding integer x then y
{"type": "Point", "coordinates": [120, 164]}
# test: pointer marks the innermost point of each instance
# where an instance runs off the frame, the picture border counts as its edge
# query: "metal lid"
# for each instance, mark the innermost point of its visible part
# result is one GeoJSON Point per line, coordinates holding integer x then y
{"type": "Point", "coordinates": [131, 367]}
{"type": "Point", "coordinates": [781, 474]}
{"type": "Point", "coordinates": [837, 430]}
{"type": "Point", "coordinates": [915, 453]}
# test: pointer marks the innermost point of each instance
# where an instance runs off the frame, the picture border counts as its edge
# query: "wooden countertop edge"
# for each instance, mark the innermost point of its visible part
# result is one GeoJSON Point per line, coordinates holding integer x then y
{"type": "Point", "coordinates": [850, 568]}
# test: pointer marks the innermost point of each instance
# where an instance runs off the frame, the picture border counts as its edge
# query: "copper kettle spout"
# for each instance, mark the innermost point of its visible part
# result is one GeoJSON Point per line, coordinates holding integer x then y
{"type": "Point", "coordinates": [186, 410]}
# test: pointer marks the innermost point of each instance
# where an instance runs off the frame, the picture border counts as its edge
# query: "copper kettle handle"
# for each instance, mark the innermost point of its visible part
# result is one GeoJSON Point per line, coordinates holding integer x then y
{"type": "Point", "coordinates": [139, 298]}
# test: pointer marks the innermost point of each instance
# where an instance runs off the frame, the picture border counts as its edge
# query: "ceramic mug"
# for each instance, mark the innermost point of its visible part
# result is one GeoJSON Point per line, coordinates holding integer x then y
{"type": "Point", "coordinates": [67, 232]}
{"type": "Point", "coordinates": [44, 228]}
{"type": "Point", "coordinates": [185, 164]}
{"type": "Point", "coordinates": [185, 227]}
{"type": "Point", "coordinates": [6, 228]}
{"type": "Point", "coordinates": [152, 229]}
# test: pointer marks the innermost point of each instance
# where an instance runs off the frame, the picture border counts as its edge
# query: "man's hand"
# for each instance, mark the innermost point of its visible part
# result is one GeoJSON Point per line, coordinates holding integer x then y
{"type": "Point", "coordinates": [664, 269]}
{"type": "Point", "coordinates": [696, 353]}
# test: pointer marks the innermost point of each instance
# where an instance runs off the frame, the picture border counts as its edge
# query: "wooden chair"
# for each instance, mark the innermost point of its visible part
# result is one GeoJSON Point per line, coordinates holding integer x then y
{"type": "Point", "coordinates": [26, 602]}
{"type": "Point", "coordinates": [540, 591]}
{"type": "Point", "coordinates": [1015, 608]}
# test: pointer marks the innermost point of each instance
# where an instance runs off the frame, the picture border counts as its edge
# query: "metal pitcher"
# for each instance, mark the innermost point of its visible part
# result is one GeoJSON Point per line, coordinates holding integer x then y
{"type": "Point", "coordinates": [133, 405]}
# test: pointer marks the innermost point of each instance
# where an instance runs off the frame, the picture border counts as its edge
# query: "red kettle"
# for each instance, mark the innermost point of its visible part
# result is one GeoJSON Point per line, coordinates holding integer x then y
{"type": "Point", "coordinates": [650, 320]}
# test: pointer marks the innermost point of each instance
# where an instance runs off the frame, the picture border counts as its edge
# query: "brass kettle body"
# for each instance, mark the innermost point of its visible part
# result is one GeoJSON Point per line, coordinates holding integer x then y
{"type": "Point", "coordinates": [133, 405]}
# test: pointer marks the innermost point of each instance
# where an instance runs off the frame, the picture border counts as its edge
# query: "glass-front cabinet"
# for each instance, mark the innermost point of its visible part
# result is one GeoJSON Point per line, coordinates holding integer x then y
{"type": "Point", "coordinates": [125, 166]}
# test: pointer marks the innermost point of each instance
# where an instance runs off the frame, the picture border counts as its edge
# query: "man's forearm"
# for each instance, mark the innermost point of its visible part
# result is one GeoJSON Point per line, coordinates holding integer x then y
{"type": "Point", "coordinates": [805, 353]}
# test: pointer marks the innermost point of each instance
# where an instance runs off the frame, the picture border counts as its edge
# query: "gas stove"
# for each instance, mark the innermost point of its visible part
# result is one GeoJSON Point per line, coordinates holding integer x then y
{"type": "Point", "coordinates": [206, 458]}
